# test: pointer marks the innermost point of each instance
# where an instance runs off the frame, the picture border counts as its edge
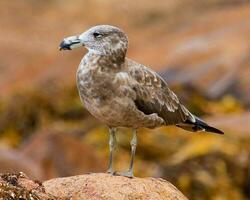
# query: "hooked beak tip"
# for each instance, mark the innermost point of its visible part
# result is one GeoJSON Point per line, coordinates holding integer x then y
{"type": "Point", "coordinates": [64, 46]}
{"type": "Point", "coordinates": [70, 43]}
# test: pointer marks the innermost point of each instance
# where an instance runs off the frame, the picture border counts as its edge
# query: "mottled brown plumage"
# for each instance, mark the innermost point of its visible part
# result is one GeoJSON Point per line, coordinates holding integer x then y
{"type": "Point", "coordinates": [122, 93]}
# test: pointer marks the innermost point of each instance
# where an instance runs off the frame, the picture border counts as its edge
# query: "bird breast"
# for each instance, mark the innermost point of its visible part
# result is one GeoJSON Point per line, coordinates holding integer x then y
{"type": "Point", "coordinates": [105, 95]}
{"type": "Point", "coordinates": [92, 86]}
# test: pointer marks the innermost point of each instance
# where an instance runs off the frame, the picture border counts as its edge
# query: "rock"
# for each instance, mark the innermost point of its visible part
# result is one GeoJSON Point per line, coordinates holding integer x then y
{"type": "Point", "coordinates": [100, 186]}
{"type": "Point", "coordinates": [88, 187]}
{"type": "Point", "coordinates": [19, 186]}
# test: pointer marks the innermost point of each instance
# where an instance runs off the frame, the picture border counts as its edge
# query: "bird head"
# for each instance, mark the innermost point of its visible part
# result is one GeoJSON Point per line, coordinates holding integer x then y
{"type": "Point", "coordinates": [102, 39]}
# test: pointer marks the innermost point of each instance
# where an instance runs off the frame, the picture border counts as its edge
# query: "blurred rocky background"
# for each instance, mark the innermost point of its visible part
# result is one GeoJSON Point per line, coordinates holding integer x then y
{"type": "Point", "coordinates": [202, 49]}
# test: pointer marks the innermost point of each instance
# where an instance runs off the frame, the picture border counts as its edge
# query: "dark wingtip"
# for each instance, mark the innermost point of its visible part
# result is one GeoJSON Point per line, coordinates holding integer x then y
{"type": "Point", "coordinates": [206, 127]}
{"type": "Point", "coordinates": [213, 130]}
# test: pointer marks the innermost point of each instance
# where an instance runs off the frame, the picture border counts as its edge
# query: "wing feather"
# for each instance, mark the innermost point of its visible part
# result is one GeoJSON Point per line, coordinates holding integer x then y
{"type": "Point", "coordinates": [154, 96]}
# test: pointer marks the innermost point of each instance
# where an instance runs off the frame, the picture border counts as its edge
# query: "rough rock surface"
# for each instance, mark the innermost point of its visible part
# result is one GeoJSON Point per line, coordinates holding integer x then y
{"type": "Point", "coordinates": [100, 186]}
{"type": "Point", "coordinates": [19, 186]}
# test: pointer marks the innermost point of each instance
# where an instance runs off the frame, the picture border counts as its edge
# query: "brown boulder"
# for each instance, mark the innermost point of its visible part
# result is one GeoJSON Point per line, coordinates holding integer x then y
{"type": "Point", "coordinates": [100, 186]}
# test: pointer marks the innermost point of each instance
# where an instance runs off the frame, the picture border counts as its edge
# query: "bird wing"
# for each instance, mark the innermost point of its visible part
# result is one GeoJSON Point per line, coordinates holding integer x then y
{"type": "Point", "coordinates": [154, 96]}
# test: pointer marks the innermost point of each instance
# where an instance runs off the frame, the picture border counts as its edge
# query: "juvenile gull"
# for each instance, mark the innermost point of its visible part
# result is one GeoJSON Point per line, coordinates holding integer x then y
{"type": "Point", "coordinates": [122, 93]}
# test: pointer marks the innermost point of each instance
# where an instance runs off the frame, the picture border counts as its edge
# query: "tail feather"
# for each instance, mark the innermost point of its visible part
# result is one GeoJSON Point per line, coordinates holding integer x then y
{"type": "Point", "coordinates": [198, 125]}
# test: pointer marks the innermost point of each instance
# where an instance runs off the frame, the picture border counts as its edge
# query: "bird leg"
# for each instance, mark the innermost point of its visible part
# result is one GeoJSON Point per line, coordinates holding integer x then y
{"type": "Point", "coordinates": [133, 144]}
{"type": "Point", "coordinates": [112, 145]}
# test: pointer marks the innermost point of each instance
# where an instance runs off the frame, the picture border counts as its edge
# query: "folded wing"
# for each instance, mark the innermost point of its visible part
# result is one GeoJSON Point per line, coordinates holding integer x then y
{"type": "Point", "coordinates": [154, 96]}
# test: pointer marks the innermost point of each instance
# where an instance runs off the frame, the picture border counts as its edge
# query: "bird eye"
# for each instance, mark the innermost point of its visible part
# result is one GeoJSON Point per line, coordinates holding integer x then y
{"type": "Point", "coordinates": [97, 35]}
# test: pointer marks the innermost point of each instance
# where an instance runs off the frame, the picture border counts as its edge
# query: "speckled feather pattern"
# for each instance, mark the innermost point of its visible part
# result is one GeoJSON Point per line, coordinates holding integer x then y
{"type": "Point", "coordinates": [122, 93]}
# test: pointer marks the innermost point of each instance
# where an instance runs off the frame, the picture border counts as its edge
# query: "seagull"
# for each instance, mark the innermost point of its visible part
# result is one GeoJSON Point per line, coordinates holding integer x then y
{"type": "Point", "coordinates": [123, 93]}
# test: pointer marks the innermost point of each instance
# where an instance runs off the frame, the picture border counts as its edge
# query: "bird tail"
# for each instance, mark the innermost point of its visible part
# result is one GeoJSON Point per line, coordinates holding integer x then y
{"type": "Point", "coordinates": [198, 125]}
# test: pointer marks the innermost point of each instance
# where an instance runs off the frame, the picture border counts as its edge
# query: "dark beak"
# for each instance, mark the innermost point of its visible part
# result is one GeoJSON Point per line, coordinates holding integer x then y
{"type": "Point", "coordinates": [64, 46]}
{"type": "Point", "coordinates": [70, 43]}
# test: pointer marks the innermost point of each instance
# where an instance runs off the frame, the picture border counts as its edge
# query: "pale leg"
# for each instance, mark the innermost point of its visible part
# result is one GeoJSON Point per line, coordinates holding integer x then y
{"type": "Point", "coordinates": [133, 144]}
{"type": "Point", "coordinates": [112, 145]}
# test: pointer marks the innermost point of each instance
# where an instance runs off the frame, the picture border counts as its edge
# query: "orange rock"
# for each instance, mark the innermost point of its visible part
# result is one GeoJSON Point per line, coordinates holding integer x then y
{"type": "Point", "coordinates": [107, 187]}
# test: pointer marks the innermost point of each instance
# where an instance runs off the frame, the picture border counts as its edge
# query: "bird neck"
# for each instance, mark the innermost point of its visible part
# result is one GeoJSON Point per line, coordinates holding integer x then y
{"type": "Point", "coordinates": [115, 56]}
{"type": "Point", "coordinates": [108, 61]}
